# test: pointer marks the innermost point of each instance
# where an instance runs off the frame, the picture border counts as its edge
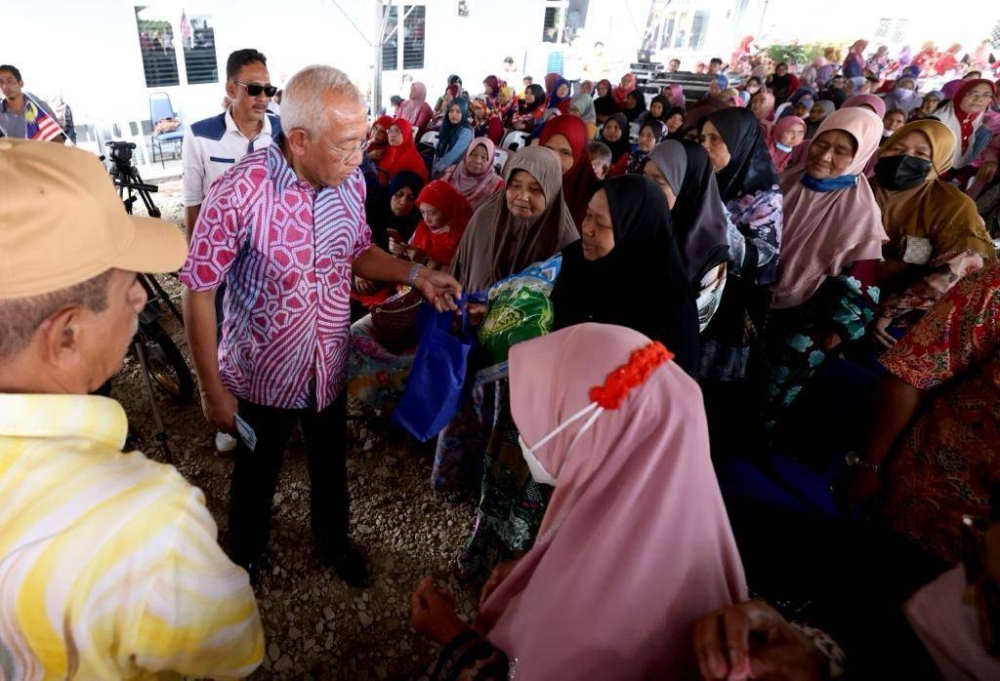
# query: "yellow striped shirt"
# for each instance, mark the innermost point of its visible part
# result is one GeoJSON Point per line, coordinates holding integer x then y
{"type": "Point", "coordinates": [109, 565]}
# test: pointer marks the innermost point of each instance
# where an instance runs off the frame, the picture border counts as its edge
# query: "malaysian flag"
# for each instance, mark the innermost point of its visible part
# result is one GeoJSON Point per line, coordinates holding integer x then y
{"type": "Point", "coordinates": [38, 124]}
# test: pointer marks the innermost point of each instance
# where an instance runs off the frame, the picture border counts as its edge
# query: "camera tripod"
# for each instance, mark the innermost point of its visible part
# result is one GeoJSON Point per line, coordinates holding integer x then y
{"type": "Point", "coordinates": [158, 356]}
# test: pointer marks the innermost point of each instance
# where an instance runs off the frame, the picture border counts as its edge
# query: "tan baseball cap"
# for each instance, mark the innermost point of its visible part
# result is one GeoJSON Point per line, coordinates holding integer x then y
{"type": "Point", "coordinates": [62, 222]}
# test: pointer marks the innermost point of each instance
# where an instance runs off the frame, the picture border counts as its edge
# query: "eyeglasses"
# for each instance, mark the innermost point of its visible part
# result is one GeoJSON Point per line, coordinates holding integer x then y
{"type": "Point", "coordinates": [346, 154]}
{"type": "Point", "coordinates": [254, 89]}
{"type": "Point", "coordinates": [979, 95]}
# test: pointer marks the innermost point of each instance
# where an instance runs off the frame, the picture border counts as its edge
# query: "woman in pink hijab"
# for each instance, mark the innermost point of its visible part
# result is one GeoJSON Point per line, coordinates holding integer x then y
{"type": "Point", "coordinates": [635, 545]}
{"type": "Point", "coordinates": [416, 110]}
{"type": "Point", "coordinates": [475, 178]}
{"type": "Point", "coordinates": [782, 138]}
{"type": "Point", "coordinates": [831, 245]}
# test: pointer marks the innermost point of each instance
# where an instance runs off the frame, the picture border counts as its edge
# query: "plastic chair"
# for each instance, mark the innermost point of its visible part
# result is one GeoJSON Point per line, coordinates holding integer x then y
{"type": "Point", "coordinates": [429, 139]}
{"type": "Point", "coordinates": [514, 140]}
{"type": "Point", "coordinates": [160, 107]}
{"type": "Point", "coordinates": [500, 161]}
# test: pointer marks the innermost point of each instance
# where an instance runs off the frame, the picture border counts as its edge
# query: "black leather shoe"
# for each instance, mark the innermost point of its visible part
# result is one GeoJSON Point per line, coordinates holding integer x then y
{"type": "Point", "coordinates": [351, 565]}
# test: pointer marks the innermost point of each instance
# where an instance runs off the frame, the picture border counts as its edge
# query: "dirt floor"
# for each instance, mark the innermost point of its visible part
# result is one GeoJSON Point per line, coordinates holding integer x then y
{"type": "Point", "coordinates": [315, 626]}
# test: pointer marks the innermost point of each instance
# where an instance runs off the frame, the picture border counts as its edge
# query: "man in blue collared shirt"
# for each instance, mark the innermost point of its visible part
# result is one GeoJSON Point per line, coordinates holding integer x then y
{"type": "Point", "coordinates": [214, 145]}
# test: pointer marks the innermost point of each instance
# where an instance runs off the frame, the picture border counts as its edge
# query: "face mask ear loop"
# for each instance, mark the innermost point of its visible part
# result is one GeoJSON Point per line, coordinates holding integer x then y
{"type": "Point", "coordinates": [566, 424]}
{"type": "Point", "coordinates": [586, 427]}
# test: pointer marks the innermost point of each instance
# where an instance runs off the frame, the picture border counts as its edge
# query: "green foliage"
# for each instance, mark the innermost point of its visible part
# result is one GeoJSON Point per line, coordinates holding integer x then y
{"type": "Point", "coordinates": [802, 55]}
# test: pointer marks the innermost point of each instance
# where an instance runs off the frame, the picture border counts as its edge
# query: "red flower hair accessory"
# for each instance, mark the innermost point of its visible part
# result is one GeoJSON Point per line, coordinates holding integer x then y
{"type": "Point", "coordinates": [619, 382]}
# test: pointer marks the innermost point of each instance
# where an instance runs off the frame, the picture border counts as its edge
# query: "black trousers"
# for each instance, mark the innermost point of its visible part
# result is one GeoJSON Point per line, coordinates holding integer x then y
{"type": "Point", "coordinates": [255, 476]}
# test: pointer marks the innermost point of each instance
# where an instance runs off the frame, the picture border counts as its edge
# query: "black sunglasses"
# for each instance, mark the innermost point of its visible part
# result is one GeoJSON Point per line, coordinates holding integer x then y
{"type": "Point", "coordinates": [254, 90]}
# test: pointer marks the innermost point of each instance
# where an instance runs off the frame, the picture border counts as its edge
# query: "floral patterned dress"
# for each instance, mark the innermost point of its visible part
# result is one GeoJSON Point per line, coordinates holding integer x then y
{"type": "Point", "coordinates": [842, 305]}
{"type": "Point", "coordinates": [944, 462]}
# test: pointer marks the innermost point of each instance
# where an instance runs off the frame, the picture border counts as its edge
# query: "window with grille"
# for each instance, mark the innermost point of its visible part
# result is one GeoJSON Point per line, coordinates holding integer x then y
{"type": "Point", "coordinates": [698, 26]}
{"type": "Point", "coordinates": [156, 43]}
{"type": "Point", "coordinates": [404, 41]}
{"type": "Point", "coordinates": [198, 39]}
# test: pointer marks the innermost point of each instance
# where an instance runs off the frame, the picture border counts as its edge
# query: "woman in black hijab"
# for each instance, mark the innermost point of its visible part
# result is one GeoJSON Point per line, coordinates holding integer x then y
{"type": "Point", "coordinates": [731, 368]}
{"type": "Point", "coordinates": [604, 101]}
{"type": "Point", "coordinates": [627, 236]}
{"type": "Point", "coordinates": [615, 134]}
{"type": "Point", "coordinates": [747, 181]}
{"type": "Point", "coordinates": [635, 106]}
{"type": "Point", "coordinates": [682, 171]}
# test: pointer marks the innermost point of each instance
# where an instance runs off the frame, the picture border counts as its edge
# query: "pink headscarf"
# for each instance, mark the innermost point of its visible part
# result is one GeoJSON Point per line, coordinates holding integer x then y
{"type": "Point", "coordinates": [781, 158]}
{"type": "Point", "coordinates": [677, 95]}
{"type": "Point", "coordinates": [874, 102]}
{"type": "Point", "coordinates": [477, 188]}
{"type": "Point", "coordinates": [824, 232]}
{"type": "Point", "coordinates": [411, 107]}
{"type": "Point", "coordinates": [950, 629]}
{"type": "Point", "coordinates": [768, 98]}
{"type": "Point", "coordinates": [635, 545]}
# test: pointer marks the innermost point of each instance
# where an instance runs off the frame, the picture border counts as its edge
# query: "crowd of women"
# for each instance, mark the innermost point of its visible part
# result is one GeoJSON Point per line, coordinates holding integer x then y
{"type": "Point", "coordinates": [768, 278]}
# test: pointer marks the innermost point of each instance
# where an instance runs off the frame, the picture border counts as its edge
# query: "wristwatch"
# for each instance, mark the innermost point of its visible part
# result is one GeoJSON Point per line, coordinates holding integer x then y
{"type": "Point", "coordinates": [852, 459]}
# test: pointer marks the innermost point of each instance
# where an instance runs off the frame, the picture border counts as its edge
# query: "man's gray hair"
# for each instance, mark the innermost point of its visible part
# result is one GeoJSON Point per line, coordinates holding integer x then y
{"type": "Point", "coordinates": [21, 317]}
{"type": "Point", "coordinates": [302, 98]}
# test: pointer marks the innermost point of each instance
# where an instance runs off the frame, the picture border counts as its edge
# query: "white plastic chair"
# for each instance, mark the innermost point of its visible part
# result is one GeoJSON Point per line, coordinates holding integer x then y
{"type": "Point", "coordinates": [500, 161]}
{"type": "Point", "coordinates": [429, 139]}
{"type": "Point", "coordinates": [514, 140]}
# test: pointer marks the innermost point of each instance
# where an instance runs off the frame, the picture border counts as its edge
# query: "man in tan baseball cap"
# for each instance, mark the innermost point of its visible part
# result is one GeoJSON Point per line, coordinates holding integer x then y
{"type": "Point", "coordinates": [121, 547]}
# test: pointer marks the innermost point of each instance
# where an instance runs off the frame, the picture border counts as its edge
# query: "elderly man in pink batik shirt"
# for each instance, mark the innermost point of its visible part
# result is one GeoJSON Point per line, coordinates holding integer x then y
{"type": "Point", "coordinates": [285, 229]}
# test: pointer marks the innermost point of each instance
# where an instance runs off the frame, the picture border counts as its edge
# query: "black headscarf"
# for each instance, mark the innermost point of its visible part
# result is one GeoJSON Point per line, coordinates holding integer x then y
{"type": "Point", "coordinates": [623, 145]}
{"type": "Point", "coordinates": [750, 169]}
{"type": "Point", "coordinates": [659, 301]}
{"type": "Point", "coordinates": [604, 106]}
{"type": "Point", "coordinates": [698, 217]}
{"type": "Point", "coordinates": [406, 224]}
{"type": "Point", "coordinates": [638, 109]}
{"type": "Point", "coordinates": [665, 107]}
{"type": "Point", "coordinates": [674, 110]}
{"type": "Point", "coordinates": [539, 94]}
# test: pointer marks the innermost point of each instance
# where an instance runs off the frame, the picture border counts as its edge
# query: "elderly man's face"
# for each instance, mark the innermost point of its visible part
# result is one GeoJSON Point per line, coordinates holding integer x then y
{"type": "Point", "coordinates": [329, 157]}
{"type": "Point", "coordinates": [94, 349]}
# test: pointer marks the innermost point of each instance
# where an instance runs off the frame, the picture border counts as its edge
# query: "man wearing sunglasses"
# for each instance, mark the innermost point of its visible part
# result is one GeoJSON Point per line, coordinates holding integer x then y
{"type": "Point", "coordinates": [214, 145]}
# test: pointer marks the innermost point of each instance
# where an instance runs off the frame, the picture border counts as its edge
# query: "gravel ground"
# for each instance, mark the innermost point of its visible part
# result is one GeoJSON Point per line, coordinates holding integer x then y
{"type": "Point", "coordinates": [315, 626]}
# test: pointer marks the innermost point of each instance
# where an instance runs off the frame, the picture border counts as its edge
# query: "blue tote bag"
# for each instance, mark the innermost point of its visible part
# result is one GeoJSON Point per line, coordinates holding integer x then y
{"type": "Point", "coordinates": [436, 385]}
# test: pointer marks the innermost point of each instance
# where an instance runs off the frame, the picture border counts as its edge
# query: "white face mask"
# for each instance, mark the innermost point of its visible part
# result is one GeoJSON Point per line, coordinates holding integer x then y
{"type": "Point", "coordinates": [782, 147]}
{"type": "Point", "coordinates": [538, 471]}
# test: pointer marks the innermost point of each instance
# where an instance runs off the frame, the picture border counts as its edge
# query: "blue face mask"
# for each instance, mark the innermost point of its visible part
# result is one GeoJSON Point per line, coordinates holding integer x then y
{"type": "Point", "coordinates": [830, 184]}
{"type": "Point", "coordinates": [782, 147]}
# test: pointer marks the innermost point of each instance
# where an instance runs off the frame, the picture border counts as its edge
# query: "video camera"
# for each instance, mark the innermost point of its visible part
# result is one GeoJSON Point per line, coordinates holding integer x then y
{"type": "Point", "coordinates": [121, 152]}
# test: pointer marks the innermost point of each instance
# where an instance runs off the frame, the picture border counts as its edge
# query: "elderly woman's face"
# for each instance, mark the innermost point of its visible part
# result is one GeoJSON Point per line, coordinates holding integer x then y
{"type": "Point", "coordinates": [478, 160]}
{"type": "Point", "coordinates": [915, 144]}
{"type": "Point", "coordinates": [715, 146]}
{"type": "Point", "coordinates": [597, 231]}
{"type": "Point", "coordinates": [525, 196]}
{"type": "Point", "coordinates": [402, 202]}
{"type": "Point", "coordinates": [653, 172]}
{"type": "Point", "coordinates": [977, 99]}
{"type": "Point", "coordinates": [561, 146]}
{"type": "Point", "coordinates": [395, 136]}
{"type": "Point", "coordinates": [830, 154]}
